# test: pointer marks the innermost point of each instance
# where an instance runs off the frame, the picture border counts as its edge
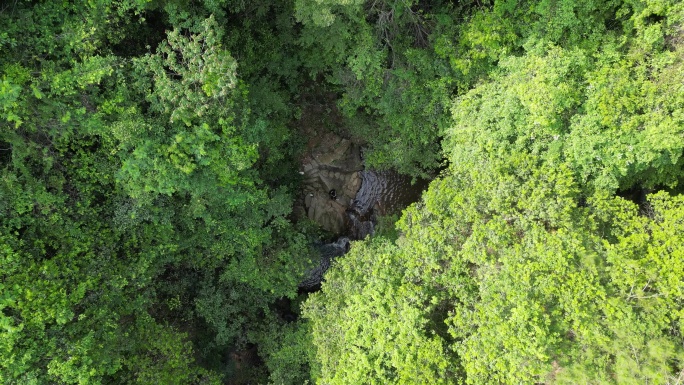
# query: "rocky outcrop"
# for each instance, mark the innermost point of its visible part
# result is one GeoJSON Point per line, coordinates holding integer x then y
{"type": "Point", "coordinates": [331, 180]}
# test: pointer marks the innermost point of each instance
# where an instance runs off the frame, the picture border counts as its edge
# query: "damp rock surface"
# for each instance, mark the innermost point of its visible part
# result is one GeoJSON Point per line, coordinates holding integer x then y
{"type": "Point", "coordinates": [331, 180]}
{"type": "Point", "coordinates": [343, 198]}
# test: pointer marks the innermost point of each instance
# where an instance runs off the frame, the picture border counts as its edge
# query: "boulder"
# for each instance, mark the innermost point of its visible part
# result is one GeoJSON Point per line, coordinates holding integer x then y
{"type": "Point", "coordinates": [332, 164]}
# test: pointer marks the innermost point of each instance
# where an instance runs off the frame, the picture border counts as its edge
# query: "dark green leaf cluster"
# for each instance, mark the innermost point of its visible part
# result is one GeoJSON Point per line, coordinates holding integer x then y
{"type": "Point", "coordinates": [139, 235]}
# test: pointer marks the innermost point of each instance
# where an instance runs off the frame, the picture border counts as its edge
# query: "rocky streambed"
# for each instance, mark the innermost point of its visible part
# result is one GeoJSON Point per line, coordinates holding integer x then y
{"type": "Point", "coordinates": [344, 198]}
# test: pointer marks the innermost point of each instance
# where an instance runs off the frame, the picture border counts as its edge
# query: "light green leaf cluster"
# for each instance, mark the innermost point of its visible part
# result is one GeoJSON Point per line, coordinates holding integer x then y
{"type": "Point", "coordinates": [520, 263]}
{"type": "Point", "coordinates": [190, 75]}
{"type": "Point", "coordinates": [371, 323]}
{"type": "Point", "coordinates": [614, 125]}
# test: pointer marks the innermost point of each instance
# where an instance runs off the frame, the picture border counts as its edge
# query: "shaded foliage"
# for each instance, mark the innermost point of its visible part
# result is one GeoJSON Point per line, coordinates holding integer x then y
{"type": "Point", "coordinates": [148, 165]}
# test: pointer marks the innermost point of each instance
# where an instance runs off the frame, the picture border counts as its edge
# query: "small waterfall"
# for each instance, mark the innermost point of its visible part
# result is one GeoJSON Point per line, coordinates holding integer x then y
{"type": "Point", "coordinates": [380, 193]}
{"type": "Point", "coordinates": [328, 252]}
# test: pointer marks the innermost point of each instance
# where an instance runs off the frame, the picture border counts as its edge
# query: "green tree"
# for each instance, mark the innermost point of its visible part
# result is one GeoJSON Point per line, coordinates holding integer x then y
{"type": "Point", "coordinates": [133, 209]}
{"type": "Point", "coordinates": [382, 57]}
{"type": "Point", "coordinates": [522, 263]}
{"type": "Point", "coordinates": [371, 322]}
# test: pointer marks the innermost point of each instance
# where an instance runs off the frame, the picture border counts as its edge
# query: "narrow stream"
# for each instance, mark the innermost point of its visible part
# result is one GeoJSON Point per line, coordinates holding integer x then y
{"type": "Point", "coordinates": [381, 193]}
{"type": "Point", "coordinates": [386, 192]}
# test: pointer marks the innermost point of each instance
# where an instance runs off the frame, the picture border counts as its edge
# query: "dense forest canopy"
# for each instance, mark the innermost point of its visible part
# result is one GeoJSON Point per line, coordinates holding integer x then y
{"type": "Point", "coordinates": [149, 157]}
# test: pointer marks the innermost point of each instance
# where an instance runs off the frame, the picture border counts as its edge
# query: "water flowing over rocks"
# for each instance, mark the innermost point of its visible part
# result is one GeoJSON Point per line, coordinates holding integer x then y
{"type": "Point", "coordinates": [328, 252]}
{"type": "Point", "coordinates": [345, 199]}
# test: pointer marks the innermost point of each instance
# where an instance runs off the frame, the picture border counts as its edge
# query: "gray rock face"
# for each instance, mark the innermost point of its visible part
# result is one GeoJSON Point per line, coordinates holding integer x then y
{"type": "Point", "coordinates": [333, 164]}
{"type": "Point", "coordinates": [359, 196]}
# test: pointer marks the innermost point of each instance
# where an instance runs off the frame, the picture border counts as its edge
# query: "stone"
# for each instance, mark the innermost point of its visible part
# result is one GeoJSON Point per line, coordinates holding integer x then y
{"type": "Point", "coordinates": [333, 164]}
{"type": "Point", "coordinates": [328, 213]}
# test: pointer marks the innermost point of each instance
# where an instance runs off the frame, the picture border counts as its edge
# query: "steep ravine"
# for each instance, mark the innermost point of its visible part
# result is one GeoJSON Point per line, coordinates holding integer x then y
{"type": "Point", "coordinates": [345, 199]}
